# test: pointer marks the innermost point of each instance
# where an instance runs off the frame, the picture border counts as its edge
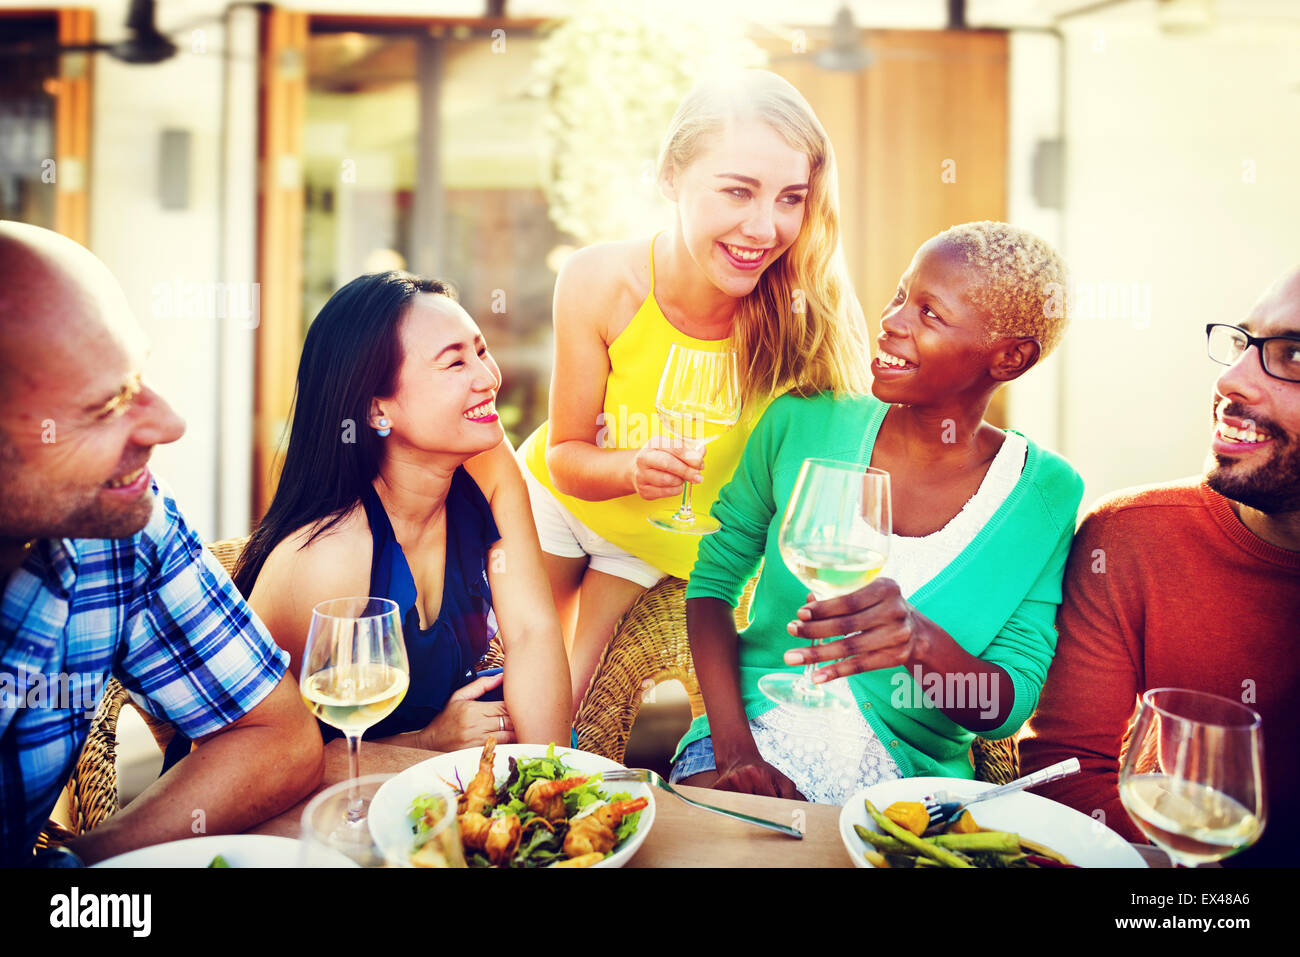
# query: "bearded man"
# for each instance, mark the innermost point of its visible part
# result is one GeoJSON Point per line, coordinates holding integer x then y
{"type": "Point", "coordinates": [1195, 585]}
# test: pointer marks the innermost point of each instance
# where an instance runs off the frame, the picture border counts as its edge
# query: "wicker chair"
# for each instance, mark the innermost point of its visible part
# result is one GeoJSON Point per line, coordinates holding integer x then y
{"type": "Point", "coordinates": [92, 789]}
{"type": "Point", "coordinates": [650, 645]}
{"type": "Point", "coordinates": [227, 552]}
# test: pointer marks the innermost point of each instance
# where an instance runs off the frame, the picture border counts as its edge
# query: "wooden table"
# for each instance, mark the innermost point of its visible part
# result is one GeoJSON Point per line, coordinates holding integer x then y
{"type": "Point", "coordinates": [682, 836]}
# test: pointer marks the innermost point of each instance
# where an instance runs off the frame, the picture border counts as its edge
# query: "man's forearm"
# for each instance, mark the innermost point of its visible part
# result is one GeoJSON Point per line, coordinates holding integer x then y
{"type": "Point", "coordinates": [235, 780]}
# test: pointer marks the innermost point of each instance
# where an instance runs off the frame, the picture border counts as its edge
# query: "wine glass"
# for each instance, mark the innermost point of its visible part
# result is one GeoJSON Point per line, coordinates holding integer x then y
{"type": "Point", "coordinates": [354, 674]}
{"type": "Point", "coordinates": [697, 401]}
{"type": "Point", "coordinates": [1193, 777]}
{"type": "Point", "coordinates": [835, 539]}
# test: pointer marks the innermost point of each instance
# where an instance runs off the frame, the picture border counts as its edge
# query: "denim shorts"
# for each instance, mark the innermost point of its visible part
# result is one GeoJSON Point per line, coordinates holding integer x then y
{"type": "Point", "coordinates": [695, 757]}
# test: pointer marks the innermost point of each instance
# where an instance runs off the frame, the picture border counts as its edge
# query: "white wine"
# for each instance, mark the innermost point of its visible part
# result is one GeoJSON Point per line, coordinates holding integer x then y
{"type": "Point", "coordinates": [355, 697]}
{"type": "Point", "coordinates": [1195, 822]}
{"type": "Point", "coordinates": [695, 430]}
{"type": "Point", "coordinates": [831, 570]}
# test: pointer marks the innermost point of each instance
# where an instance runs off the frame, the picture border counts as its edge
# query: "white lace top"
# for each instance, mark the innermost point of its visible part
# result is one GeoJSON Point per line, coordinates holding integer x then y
{"type": "Point", "coordinates": [831, 754]}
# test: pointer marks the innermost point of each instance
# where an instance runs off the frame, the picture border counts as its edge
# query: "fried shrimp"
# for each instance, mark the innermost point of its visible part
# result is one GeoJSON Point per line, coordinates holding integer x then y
{"type": "Point", "coordinates": [595, 832]}
{"type": "Point", "coordinates": [481, 794]}
{"type": "Point", "coordinates": [546, 798]}
{"type": "Point", "coordinates": [502, 839]}
{"type": "Point", "coordinates": [473, 830]}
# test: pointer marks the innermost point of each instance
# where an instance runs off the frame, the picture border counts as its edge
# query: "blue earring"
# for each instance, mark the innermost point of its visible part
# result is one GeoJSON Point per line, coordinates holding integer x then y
{"type": "Point", "coordinates": [383, 429]}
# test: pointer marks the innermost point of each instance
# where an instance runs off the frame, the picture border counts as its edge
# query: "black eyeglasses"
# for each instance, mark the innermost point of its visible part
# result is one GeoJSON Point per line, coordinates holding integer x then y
{"type": "Point", "coordinates": [1279, 356]}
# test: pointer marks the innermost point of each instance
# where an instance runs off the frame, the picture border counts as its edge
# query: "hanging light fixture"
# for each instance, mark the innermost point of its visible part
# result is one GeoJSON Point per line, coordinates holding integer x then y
{"type": "Point", "coordinates": [846, 53]}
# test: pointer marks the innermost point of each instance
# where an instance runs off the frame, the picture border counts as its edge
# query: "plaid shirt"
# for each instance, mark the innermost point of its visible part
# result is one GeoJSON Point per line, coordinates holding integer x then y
{"type": "Point", "coordinates": [157, 612]}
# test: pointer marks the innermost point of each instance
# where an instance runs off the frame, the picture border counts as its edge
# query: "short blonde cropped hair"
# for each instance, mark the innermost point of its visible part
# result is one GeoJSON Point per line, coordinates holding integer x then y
{"type": "Point", "coordinates": [1022, 280]}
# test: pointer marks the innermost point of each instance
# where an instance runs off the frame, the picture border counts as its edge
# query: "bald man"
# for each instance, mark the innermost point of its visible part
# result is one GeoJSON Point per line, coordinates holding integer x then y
{"type": "Point", "coordinates": [102, 576]}
{"type": "Point", "coordinates": [1195, 585]}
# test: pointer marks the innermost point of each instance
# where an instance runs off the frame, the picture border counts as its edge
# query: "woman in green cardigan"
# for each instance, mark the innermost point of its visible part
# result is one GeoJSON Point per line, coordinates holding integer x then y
{"type": "Point", "coordinates": [955, 637]}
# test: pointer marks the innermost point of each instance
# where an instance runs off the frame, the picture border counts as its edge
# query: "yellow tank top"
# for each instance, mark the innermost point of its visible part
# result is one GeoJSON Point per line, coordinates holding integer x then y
{"type": "Point", "coordinates": [636, 362]}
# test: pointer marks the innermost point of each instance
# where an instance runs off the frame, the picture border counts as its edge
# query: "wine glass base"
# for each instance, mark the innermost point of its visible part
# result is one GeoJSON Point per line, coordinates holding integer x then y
{"type": "Point", "coordinates": [794, 690]}
{"type": "Point", "coordinates": [338, 825]}
{"type": "Point", "coordinates": [694, 525]}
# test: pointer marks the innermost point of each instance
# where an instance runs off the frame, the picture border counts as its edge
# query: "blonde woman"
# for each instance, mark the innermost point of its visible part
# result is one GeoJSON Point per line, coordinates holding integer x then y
{"type": "Point", "coordinates": [752, 263]}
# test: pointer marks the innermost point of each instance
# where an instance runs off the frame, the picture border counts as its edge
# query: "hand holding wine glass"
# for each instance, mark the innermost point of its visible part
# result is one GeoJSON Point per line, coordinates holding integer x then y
{"type": "Point", "coordinates": [835, 539]}
{"type": "Point", "coordinates": [1193, 776]}
{"type": "Point", "coordinates": [698, 401]}
{"type": "Point", "coordinates": [664, 466]}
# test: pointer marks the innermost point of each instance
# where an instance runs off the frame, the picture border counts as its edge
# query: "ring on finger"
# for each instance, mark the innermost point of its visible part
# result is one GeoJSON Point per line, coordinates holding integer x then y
{"type": "Point", "coordinates": [502, 719]}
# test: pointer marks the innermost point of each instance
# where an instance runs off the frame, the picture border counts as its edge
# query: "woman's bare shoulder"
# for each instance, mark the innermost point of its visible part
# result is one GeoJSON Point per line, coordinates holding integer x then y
{"type": "Point", "coordinates": [336, 558]}
{"type": "Point", "coordinates": [605, 282]}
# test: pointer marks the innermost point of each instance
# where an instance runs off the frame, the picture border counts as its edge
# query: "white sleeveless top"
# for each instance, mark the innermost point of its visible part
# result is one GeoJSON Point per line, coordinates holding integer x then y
{"type": "Point", "coordinates": [832, 754]}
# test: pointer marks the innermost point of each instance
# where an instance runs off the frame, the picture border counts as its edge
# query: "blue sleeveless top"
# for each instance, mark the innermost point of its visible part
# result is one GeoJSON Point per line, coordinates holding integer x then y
{"type": "Point", "coordinates": [443, 656]}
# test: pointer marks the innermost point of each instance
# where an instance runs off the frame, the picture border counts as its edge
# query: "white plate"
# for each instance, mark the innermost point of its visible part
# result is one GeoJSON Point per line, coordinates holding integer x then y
{"type": "Point", "coordinates": [239, 850]}
{"type": "Point", "coordinates": [1082, 839]}
{"type": "Point", "coordinates": [390, 822]}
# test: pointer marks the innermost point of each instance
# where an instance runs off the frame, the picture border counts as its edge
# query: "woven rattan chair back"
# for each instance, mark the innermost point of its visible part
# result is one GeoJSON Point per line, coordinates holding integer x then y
{"type": "Point", "coordinates": [649, 646]}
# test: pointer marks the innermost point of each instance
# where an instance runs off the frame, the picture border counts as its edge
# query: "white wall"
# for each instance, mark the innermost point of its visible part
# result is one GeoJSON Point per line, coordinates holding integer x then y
{"type": "Point", "coordinates": [201, 364]}
{"type": "Point", "coordinates": [1034, 403]}
{"type": "Point", "coordinates": [1181, 177]}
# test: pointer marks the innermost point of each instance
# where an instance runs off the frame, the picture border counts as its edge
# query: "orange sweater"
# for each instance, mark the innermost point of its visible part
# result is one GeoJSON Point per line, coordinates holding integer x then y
{"type": "Point", "coordinates": [1188, 598]}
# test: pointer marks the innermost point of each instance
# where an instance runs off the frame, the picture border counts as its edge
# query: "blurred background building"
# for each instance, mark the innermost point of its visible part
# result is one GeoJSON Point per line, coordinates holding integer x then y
{"type": "Point", "coordinates": [283, 149]}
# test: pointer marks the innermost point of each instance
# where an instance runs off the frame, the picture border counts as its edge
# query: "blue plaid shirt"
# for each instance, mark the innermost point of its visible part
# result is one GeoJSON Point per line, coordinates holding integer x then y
{"type": "Point", "coordinates": [157, 612]}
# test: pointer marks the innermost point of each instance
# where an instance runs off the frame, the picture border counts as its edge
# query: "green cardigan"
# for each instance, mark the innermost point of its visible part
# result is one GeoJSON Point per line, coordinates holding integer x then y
{"type": "Point", "coordinates": [997, 599]}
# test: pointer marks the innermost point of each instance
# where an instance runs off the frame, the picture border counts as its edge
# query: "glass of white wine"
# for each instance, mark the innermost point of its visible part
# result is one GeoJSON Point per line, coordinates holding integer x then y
{"type": "Point", "coordinates": [1193, 777]}
{"type": "Point", "coordinates": [354, 674]}
{"type": "Point", "coordinates": [698, 401]}
{"type": "Point", "coordinates": [835, 539]}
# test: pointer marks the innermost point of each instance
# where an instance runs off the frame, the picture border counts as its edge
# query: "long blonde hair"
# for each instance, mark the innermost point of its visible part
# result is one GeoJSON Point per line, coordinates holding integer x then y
{"type": "Point", "coordinates": [802, 328]}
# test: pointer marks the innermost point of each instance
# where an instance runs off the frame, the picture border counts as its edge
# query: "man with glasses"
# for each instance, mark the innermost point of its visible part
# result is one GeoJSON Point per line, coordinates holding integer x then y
{"type": "Point", "coordinates": [1194, 584]}
{"type": "Point", "coordinates": [100, 575]}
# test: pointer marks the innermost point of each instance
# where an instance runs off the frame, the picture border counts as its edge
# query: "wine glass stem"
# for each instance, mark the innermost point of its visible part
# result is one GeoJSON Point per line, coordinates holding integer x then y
{"type": "Point", "coordinates": [356, 806]}
{"type": "Point", "coordinates": [684, 513]}
{"type": "Point", "coordinates": [810, 686]}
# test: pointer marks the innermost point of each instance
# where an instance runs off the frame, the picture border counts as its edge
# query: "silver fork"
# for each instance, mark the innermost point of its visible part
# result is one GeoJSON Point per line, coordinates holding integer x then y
{"type": "Point", "coordinates": [646, 776]}
{"type": "Point", "coordinates": [941, 809]}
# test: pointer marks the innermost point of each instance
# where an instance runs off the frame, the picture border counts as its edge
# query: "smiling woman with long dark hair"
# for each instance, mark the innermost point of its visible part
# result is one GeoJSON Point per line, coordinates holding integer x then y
{"type": "Point", "coordinates": [398, 482]}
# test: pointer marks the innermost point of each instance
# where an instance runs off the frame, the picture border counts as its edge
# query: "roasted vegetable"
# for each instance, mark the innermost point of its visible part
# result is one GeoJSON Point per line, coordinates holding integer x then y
{"type": "Point", "coordinates": [909, 814]}
{"type": "Point", "coordinates": [999, 842]}
{"type": "Point", "coordinates": [964, 844]}
{"type": "Point", "coordinates": [1033, 847]}
{"type": "Point", "coordinates": [965, 824]}
{"type": "Point", "coordinates": [907, 837]}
